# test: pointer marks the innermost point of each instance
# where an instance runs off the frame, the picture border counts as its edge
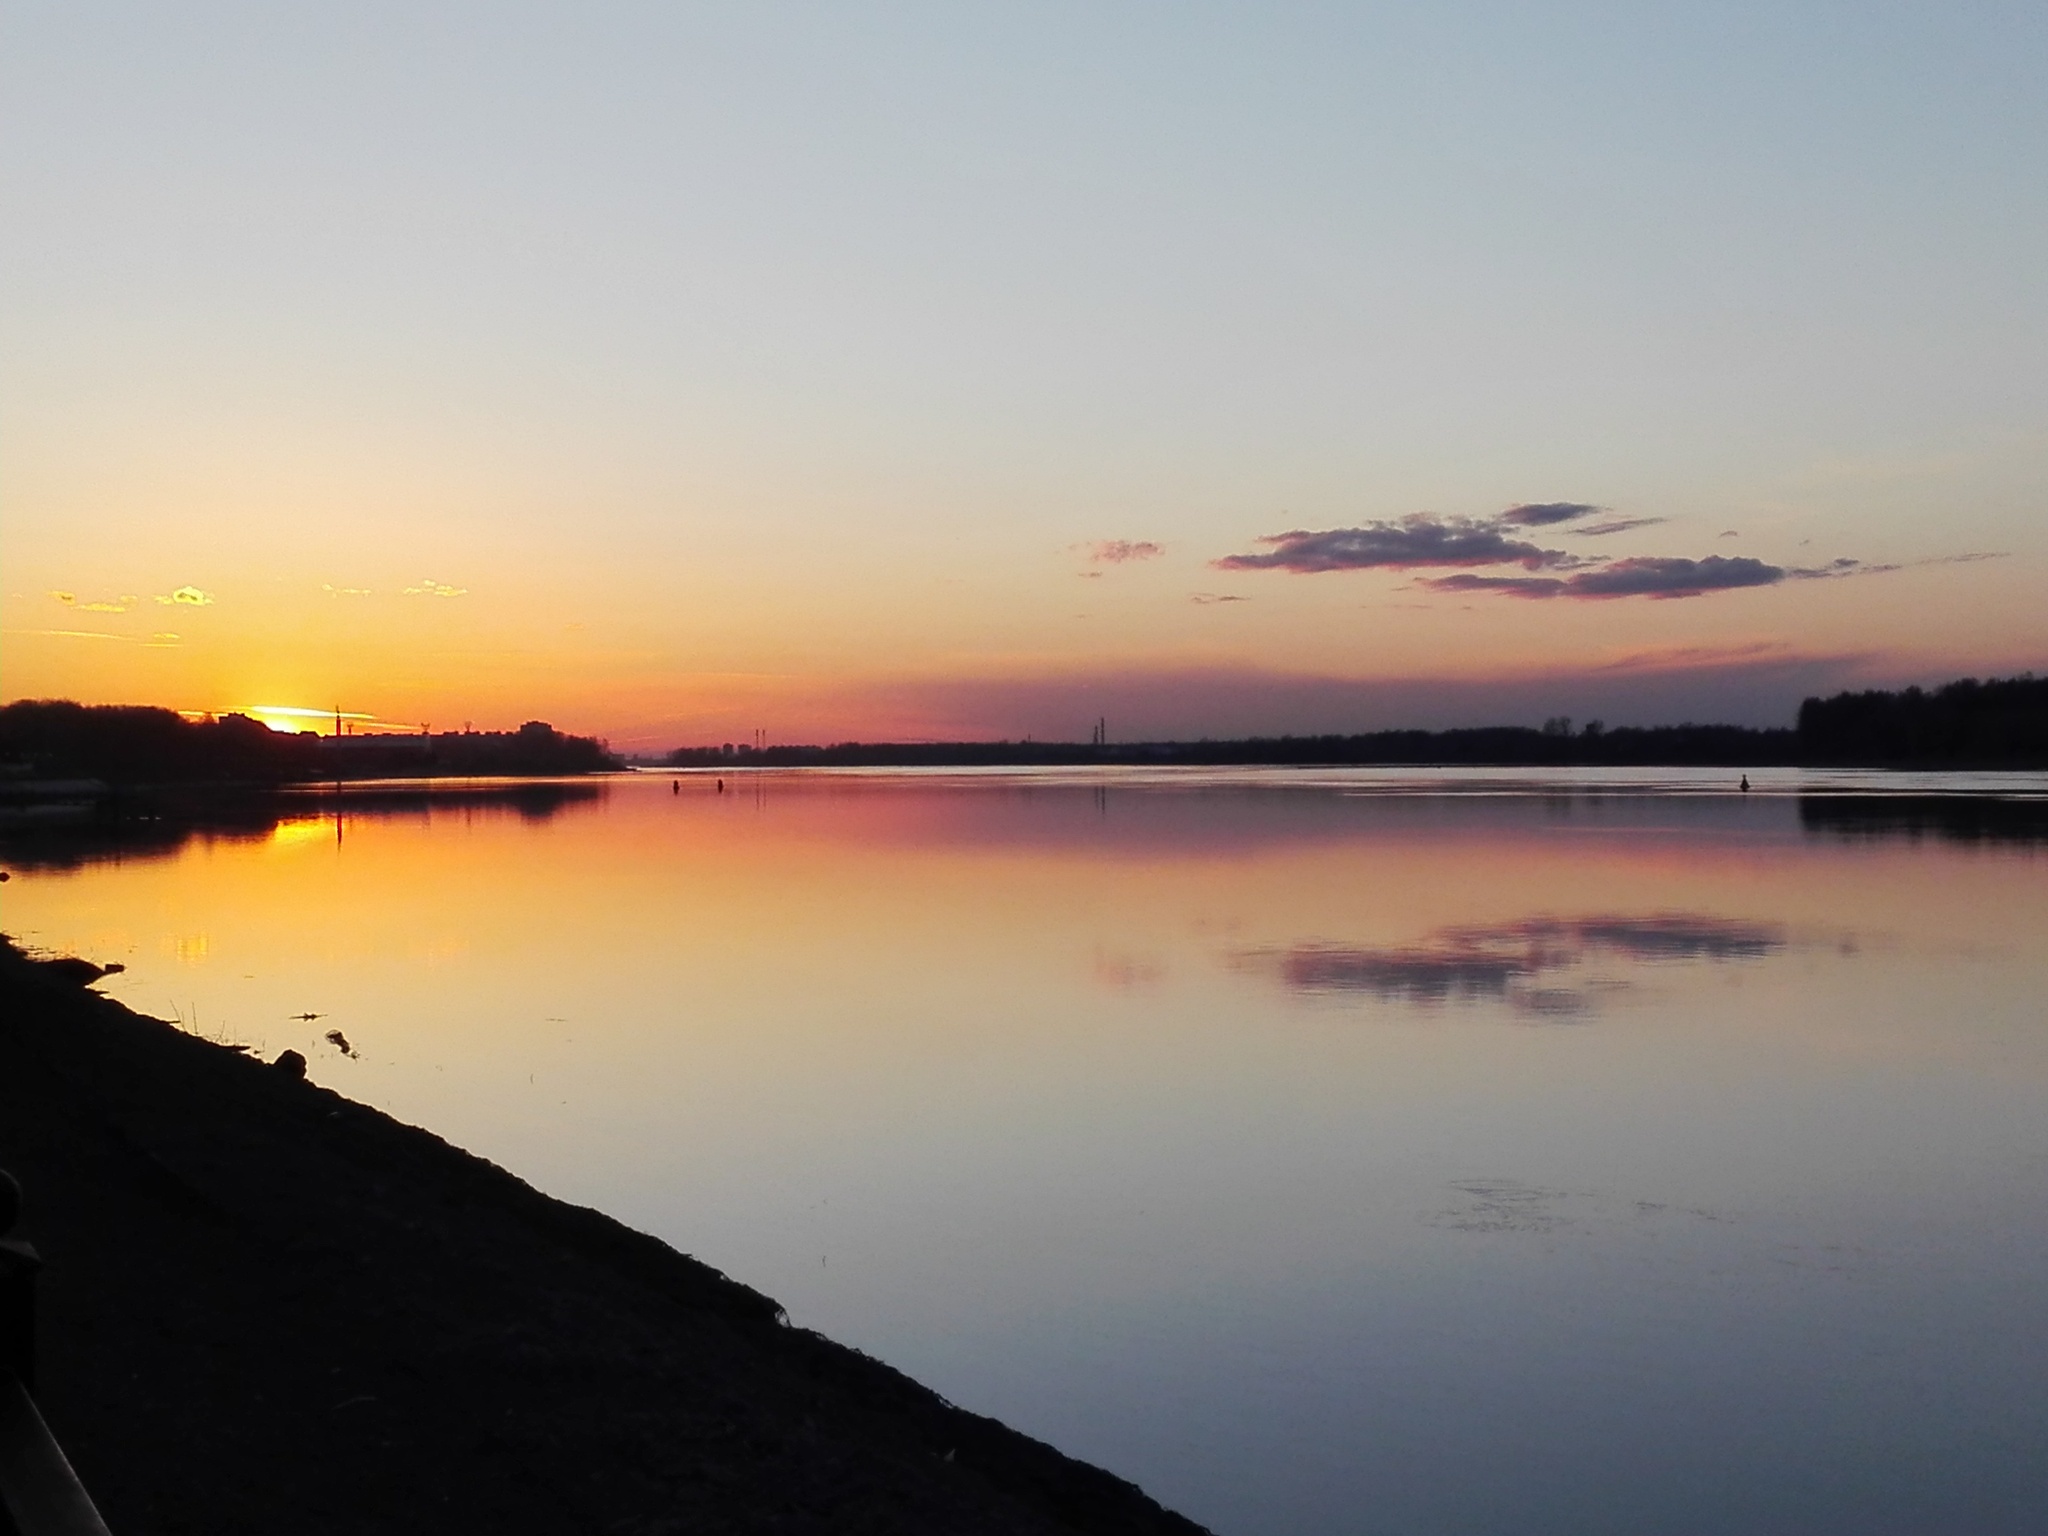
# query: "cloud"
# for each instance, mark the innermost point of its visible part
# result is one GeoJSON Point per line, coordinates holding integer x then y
{"type": "Point", "coordinates": [1835, 568]}
{"type": "Point", "coordinates": [70, 600]}
{"type": "Point", "coordinates": [190, 597]}
{"type": "Point", "coordinates": [1424, 541]}
{"type": "Point", "coordinates": [1123, 551]}
{"type": "Point", "coordinates": [1651, 576]}
{"type": "Point", "coordinates": [1509, 586]}
{"type": "Point", "coordinates": [1661, 576]}
{"type": "Point", "coordinates": [429, 587]}
{"type": "Point", "coordinates": [1618, 525]}
{"type": "Point", "coordinates": [1217, 597]}
{"type": "Point", "coordinates": [1418, 541]}
{"type": "Point", "coordinates": [1541, 514]}
{"type": "Point", "coordinates": [1666, 577]}
{"type": "Point", "coordinates": [344, 591]}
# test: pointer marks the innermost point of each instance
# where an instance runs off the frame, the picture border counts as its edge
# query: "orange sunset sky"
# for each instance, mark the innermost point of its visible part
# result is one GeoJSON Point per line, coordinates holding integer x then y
{"type": "Point", "coordinates": [674, 372]}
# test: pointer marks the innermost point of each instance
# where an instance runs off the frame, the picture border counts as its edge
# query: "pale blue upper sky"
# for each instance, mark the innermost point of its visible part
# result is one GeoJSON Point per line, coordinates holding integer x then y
{"type": "Point", "coordinates": [784, 316]}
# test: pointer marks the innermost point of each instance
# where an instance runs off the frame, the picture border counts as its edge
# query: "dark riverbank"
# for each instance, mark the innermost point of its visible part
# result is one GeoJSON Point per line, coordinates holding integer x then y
{"type": "Point", "coordinates": [267, 1308]}
{"type": "Point", "coordinates": [141, 747]}
{"type": "Point", "coordinates": [1967, 724]}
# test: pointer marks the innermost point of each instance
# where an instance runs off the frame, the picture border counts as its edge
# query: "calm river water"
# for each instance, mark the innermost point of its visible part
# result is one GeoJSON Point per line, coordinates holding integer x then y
{"type": "Point", "coordinates": [1328, 1152]}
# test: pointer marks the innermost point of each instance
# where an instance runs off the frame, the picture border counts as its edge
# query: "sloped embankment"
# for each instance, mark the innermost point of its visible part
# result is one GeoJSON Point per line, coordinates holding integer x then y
{"type": "Point", "coordinates": [266, 1308]}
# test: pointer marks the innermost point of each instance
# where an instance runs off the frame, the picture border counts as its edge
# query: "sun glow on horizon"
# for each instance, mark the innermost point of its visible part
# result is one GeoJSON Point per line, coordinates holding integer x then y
{"type": "Point", "coordinates": [291, 719]}
{"type": "Point", "coordinates": [710, 429]}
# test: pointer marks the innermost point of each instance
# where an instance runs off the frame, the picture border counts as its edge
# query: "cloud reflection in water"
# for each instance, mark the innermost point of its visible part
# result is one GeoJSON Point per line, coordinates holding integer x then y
{"type": "Point", "coordinates": [1500, 963]}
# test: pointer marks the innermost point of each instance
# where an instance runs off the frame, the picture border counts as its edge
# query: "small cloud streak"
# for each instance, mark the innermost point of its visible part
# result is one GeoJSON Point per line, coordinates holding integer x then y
{"type": "Point", "coordinates": [1640, 576]}
{"type": "Point", "coordinates": [429, 587]}
{"type": "Point", "coordinates": [344, 591]}
{"type": "Point", "coordinates": [1543, 514]}
{"type": "Point", "coordinates": [1618, 525]}
{"type": "Point", "coordinates": [70, 600]}
{"type": "Point", "coordinates": [1206, 598]}
{"type": "Point", "coordinates": [1123, 551]}
{"type": "Point", "coordinates": [1836, 568]}
{"type": "Point", "coordinates": [187, 597]}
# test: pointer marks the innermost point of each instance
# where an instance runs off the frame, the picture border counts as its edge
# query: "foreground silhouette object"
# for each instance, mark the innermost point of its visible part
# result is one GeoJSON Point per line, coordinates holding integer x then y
{"type": "Point", "coordinates": [286, 1312]}
{"type": "Point", "coordinates": [39, 1493]}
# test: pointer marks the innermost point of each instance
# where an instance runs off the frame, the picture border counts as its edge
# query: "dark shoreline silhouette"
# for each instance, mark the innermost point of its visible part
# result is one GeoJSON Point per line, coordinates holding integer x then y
{"type": "Point", "coordinates": [1999, 723]}
{"type": "Point", "coordinates": [1965, 724]}
{"type": "Point", "coordinates": [129, 745]}
{"type": "Point", "coordinates": [266, 1308]}
{"type": "Point", "coordinates": [1480, 746]}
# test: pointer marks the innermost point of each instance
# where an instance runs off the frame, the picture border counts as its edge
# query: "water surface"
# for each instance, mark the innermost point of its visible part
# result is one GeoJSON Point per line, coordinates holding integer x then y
{"type": "Point", "coordinates": [1355, 1151]}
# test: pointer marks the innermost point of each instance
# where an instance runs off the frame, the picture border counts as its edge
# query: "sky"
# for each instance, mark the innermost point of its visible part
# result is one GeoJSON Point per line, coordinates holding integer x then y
{"type": "Point", "coordinates": [673, 372]}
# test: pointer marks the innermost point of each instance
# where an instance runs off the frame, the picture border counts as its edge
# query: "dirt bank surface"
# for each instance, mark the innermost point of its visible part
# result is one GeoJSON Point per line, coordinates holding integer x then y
{"type": "Point", "coordinates": [268, 1309]}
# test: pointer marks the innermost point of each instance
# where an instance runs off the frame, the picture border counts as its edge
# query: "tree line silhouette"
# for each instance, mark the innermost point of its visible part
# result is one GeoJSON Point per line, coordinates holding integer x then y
{"type": "Point", "coordinates": [1965, 724]}
{"type": "Point", "coordinates": [138, 744]}
{"type": "Point", "coordinates": [1994, 723]}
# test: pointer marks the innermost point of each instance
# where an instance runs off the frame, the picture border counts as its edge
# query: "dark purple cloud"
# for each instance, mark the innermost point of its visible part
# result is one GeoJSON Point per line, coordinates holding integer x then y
{"type": "Point", "coordinates": [1415, 542]}
{"type": "Point", "coordinates": [1639, 576]}
{"type": "Point", "coordinates": [1424, 541]}
{"type": "Point", "coordinates": [1660, 576]}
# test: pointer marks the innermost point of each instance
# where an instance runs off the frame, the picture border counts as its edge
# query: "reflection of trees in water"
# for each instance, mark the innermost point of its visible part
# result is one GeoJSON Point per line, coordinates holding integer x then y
{"type": "Point", "coordinates": [1952, 818]}
{"type": "Point", "coordinates": [530, 802]}
{"type": "Point", "coordinates": [118, 842]}
{"type": "Point", "coordinates": [165, 828]}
